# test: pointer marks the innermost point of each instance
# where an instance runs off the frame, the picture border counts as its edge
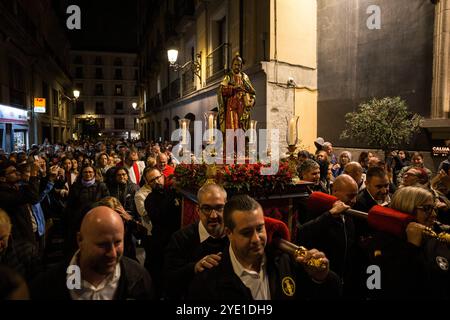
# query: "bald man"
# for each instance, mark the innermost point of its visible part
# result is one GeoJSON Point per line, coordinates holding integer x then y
{"type": "Point", "coordinates": [332, 232]}
{"type": "Point", "coordinates": [104, 273]}
{"type": "Point", "coordinates": [165, 168]}
{"type": "Point", "coordinates": [356, 171]}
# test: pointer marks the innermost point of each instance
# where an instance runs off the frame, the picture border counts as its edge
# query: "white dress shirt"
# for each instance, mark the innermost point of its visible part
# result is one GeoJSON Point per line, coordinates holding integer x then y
{"type": "Point", "coordinates": [104, 291]}
{"type": "Point", "coordinates": [257, 282]}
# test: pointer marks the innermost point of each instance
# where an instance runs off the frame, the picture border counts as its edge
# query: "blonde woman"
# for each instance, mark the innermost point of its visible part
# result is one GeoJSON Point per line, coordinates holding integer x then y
{"type": "Point", "coordinates": [413, 265]}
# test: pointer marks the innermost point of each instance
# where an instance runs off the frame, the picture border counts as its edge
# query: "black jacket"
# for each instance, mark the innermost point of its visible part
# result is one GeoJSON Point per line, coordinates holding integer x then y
{"type": "Point", "coordinates": [221, 283]}
{"type": "Point", "coordinates": [408, 271]}
{"type": "Point", "coordinates": [134, 283]}
{"type": "Point", "coordinates": [332, 236]}
{"type": "Point", "coordinates": [79, 202]}
{"type": "Point", "coordinates": [17, 204]}
{"type": "Point", "coordinates": [182, 253]}
{"type": "Point", "coordinates": [125, 194]}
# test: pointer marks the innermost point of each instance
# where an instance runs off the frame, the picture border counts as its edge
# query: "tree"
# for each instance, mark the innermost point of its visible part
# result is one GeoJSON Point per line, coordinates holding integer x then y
{"type": "Point", "coordinates": [384, 123]}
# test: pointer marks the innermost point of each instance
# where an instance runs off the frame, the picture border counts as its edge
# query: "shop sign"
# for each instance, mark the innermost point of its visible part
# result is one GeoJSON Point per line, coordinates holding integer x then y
{"type": "Point", "coordinates": [441, 151]}
{"type": "Point", "coordinates": [13, 115]}
{"type": "Point", "coordinates": [39, 105]}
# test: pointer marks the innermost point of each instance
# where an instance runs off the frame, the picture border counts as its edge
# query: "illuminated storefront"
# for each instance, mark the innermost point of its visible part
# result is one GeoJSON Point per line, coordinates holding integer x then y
{"type": "Point", "coordinates": [14, 129]}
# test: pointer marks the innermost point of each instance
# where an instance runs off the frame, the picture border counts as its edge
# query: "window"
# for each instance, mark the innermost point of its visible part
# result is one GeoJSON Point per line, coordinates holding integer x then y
{"type": "Point", "coordinates": [119, 123]}
{"type": "Point", "coordinates": [45, 95]}
{"type": "Point", "coordinates": [118, 74]}
{"type": "Point", "coordinates": [99, 89]}
{"type": "Point", "coordinates": [135, 74]}
{"type": "Point", "coordinates": [78, 60]}
{"type": "Point", "coordinates": [55, 103]}
{"type": "Point", "coordinates": [16, 84]}
{"type": "Point", "coordinates": [99, 108]}
{"type": "Point", "coordinates": [79, 72]}
{"type": "Point", "coordinates": [79, 107]}
{"type": "Point", "coordinates": [118, 91]}
{"type": "Point", "coordinates": [136, 91]}
{"type": "Point", "coordinates": [98, 60]}
{"type": "Point", "coordinates": [98, 73]}
{"type": "Point", "coordinates": [79, 86]}
{"type": "Point", "coordinates": [117, 61]}
{"type": "Point", "coordinates": [119, 107]}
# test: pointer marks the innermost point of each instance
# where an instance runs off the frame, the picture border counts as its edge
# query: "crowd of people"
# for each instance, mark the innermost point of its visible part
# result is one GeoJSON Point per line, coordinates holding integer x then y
{"type": "Point", "coordinates": [93, 204]}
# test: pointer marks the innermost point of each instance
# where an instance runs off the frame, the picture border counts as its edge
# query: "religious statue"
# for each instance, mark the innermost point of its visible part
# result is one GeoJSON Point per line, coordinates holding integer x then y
{"type": "Point", "coordinates": [236, 97]}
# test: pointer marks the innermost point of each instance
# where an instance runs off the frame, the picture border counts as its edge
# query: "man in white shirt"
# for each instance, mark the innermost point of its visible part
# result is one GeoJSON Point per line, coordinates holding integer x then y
{"type": "Point", "coordinates": [98, 270]}
{"type": "Point", "coordinates": [249, 272]}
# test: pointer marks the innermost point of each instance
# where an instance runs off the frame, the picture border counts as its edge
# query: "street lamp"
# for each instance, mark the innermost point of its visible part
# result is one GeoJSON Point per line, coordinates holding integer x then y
{"type": "Point", "coordinates": [195, 65]}
{"type": "Point", "coordinates": [76, 95]}
{"type": "Point", "coordinates": [134, 105]}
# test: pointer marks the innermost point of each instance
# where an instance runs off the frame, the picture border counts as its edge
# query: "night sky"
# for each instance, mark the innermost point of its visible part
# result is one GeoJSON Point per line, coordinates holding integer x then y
{"type": "Point", "coordinates": [106, 25]}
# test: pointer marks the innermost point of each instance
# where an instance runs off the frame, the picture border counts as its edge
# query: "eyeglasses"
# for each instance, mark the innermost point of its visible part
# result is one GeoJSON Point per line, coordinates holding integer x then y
{"type": "Point", "coordinates": [411, 174]}
{"type": "Point", "coordinates": [427, 208]}
{"type": "Point", "coordinates": [207, 210]}
{"type": "Point", "coordinates": [155, 178]}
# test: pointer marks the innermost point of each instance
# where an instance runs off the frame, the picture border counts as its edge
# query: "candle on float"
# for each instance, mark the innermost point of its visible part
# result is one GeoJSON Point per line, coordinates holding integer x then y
{"type": "Point", "coordinates": [252, 137]}
{"type": "Point", "coordinates": [211, 127]}
{"type": "Point", "coordinates": [183, 133]}
{"type": "Point", "coordinates": [292, 131]}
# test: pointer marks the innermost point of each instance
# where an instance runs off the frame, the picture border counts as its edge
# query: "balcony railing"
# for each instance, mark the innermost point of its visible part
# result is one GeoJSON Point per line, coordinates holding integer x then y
{"type": "Point", "coordinates": [165, 95]}
{"type": "Point", "coordinates": [175, 89]}
{"type": "Point", "coordinates": [217, 62]}
{"type": "Point", "coordinates": [188, 80]}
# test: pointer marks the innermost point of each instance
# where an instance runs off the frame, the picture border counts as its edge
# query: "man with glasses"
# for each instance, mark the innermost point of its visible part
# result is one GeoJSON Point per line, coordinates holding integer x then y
{"type": "Point", "coordinates": [197, 247]}
{"type": "Point", "coordinates": [415, 177]}
{"type": "Point", "coordinates": [163, 206]}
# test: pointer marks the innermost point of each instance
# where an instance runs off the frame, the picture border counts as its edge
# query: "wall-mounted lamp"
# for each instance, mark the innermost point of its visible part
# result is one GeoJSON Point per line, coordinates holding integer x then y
{"type": "Point", "coordinates": [134, 105]}
{"type": "Point", "coordinates": [195, 65]}
{"type": "Point", "coordinates": [76, 94]}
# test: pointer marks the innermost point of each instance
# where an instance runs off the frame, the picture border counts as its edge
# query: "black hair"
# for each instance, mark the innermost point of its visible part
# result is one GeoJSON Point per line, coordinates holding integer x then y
{"type": "Point", "coordinates": [238, 203]}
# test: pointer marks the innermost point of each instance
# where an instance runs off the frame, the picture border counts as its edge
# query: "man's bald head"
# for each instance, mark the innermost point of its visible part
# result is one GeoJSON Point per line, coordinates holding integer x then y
{"type": "Point", "coordinates": [101, 219]}
{"type": "Point", "coordinates": [162, 161]}
{"type": "Point", "coordinates": [345, 189]}
{"type": "Point", "coordinates": [355, 170]}
{"type": "Point", "coordinates": [101, 242]}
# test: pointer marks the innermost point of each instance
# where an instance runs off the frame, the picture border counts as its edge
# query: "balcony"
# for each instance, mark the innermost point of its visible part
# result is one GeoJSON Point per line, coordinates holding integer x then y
{"type": "Point", "coordinates": [165, 95]}
{"type": "Point", "coordinates": [217, 62]}
{"type": "Point", "coordinates": [175, 89]}
{"type": "Point", "coordinates": [188, 80]}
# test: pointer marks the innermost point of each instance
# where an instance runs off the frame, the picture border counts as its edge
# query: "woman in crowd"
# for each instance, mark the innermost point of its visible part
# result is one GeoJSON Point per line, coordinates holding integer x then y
{"type": "Point", "coordinates": [344, 158]}
{"type": "Point", "coordinates": [413, 265]}
{"type": "Point", "coordinates": [124, 190]}
{"type": "Point", "coordinates": [84, 192]}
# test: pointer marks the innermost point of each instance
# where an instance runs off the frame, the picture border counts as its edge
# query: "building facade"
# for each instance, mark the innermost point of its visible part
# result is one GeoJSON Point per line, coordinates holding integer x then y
{"type": "Point", "coordinates": [406, 55]}
{"type": "Point", "coordinates": [34, 52]}
{"type": "Point", "coordinates": [276, 39]}
{"type": "Point", "coordinates": [107, 82]}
